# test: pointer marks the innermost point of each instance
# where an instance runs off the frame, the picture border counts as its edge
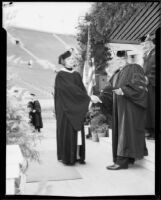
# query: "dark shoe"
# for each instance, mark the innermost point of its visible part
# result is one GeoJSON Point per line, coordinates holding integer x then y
{"type": "Point", "coordinates": [80, 161]}
{"type": "Point", "coordinates": [88, 136]}
{"type": "Point", "coordinates": [131, 161]}
{"type": "Point", "coordinates": [117, 167]}
{"type": "Point", "coordinates": [68, 164]}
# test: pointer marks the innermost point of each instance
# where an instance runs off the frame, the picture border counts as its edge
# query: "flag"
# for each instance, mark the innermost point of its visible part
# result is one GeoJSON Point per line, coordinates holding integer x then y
{"type": "Point", "coordinates": [91, 78]}
{"type": "Point", "coordinates": [89, 68]}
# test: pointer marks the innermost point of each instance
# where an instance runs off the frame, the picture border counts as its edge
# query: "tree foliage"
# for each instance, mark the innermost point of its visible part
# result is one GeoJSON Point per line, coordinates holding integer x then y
{"type": "Point", "coordinates": [18, 129]}
{"type": "Point", "coordinates": [104, 17]}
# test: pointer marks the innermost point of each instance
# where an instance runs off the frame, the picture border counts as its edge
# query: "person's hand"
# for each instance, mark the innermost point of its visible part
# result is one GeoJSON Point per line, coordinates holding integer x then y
{"type": "Point", "coordinates": [95, 99]}
{"type": "Point", "coordinates": [118, 91]}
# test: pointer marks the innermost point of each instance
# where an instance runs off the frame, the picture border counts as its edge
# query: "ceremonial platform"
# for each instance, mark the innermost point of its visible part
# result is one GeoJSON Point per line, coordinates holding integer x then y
{"type": "Point", "coordinates": [95, 179]}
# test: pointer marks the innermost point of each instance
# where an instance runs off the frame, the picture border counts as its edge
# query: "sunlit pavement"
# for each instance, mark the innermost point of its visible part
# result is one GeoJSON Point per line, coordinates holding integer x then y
{"type": "Point", "coordinates": [96, 179]}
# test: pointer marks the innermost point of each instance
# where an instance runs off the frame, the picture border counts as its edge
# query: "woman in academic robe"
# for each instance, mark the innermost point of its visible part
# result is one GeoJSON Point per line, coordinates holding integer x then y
{"type": "Point", "coordinates": [71, 106]}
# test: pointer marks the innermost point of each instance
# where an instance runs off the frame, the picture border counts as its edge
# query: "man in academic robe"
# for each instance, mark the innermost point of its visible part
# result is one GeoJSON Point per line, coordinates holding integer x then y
{"type": "Point", "coordinates": [71, 106]}
{"type": "Point", "coordinates": [129, 100]}
{"type": "Point", "coordinates": [149, 69]}
{"type": "Point", "coordinates": [35, 113]}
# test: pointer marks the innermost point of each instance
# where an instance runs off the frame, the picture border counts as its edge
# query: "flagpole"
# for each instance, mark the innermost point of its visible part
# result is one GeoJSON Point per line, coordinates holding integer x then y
{"type": "Point", "coordinates": [87, 59]}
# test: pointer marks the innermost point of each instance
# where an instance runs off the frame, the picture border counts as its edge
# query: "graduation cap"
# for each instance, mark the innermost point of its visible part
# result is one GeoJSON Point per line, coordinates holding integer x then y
{"type": "Point", "coordinates": [64, 56]}
{"type": "Point", "coordinates": [121, 53]}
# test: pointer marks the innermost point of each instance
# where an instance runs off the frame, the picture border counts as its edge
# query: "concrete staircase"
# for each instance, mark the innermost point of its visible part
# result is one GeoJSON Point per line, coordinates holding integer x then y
{"type": "Point", "coordinates": [148, 162]}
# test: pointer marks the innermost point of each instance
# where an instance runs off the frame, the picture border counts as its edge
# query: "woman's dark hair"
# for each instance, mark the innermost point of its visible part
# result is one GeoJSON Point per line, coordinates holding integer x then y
{"type": "Point", "coordinates": [64, 56]}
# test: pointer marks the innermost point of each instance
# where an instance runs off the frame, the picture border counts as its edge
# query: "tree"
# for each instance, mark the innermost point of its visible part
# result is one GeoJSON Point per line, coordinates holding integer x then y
{"type": "Point", "coordinates": [104, 17]}
{"type": "Point", "coordinates": [18, 129]}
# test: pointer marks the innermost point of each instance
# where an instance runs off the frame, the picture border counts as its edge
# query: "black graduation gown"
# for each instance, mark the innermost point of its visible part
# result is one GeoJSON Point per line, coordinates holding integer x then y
{"type": "Point", "coordinates": [30, 105]}
{"type": "Point", "coordinates": [106, 96]}
{"type": "Point", "coordinates": [128, 113]}
{"type": "Point", "coordinates": [149, 69]}
{"type": "Point", "coordinates": [71, 106]}
{"type": "Point", "coordinates": [37, 118]}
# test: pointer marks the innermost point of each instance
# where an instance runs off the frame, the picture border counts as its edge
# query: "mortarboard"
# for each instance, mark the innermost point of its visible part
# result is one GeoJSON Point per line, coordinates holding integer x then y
{"type": "Point", "coordinates": [121, 53]}
{"type": "Point", "coordinates": [64, 56]}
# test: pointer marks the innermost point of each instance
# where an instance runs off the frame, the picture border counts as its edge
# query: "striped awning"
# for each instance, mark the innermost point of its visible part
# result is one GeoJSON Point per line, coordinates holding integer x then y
{"type": "Point", "coordinates": [145, 21]}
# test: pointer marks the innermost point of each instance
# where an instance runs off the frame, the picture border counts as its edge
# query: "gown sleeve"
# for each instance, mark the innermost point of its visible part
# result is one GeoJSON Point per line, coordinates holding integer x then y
{"type": "Point", "coordinates": [79, 81]}
{"type": "Point", "coordinates": [74, 100]}
{"type": "Point", "coordinates": [135, 89]}
{"type": "Point", "coordinates": [106, 97]}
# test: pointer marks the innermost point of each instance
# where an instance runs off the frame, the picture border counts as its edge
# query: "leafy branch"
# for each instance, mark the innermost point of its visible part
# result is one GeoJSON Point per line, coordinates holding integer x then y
{"type": "Point", "coordinates": [104, 18]}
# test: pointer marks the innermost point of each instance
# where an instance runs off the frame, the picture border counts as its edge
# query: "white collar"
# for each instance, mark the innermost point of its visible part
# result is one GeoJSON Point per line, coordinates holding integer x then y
{"type": "Point", "coordinates": [65, 70]}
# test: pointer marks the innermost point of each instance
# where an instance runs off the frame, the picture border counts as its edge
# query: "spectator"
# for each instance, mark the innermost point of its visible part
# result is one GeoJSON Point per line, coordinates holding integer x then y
{"type": "Point", "coordinates": [71, 106]}
{"type": "Point", "coordinates": [149, 69]}
{"type": "Point", "coordinates": [35, 113]}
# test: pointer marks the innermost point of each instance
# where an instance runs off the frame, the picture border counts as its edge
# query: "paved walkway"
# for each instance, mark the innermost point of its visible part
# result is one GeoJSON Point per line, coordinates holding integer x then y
{"type": "Point", "coordinates": [96, 180]}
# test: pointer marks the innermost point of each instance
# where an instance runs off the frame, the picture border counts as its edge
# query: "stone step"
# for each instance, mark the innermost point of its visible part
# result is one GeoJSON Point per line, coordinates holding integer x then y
{"type": "Point", "coordinates": [148, 162]}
